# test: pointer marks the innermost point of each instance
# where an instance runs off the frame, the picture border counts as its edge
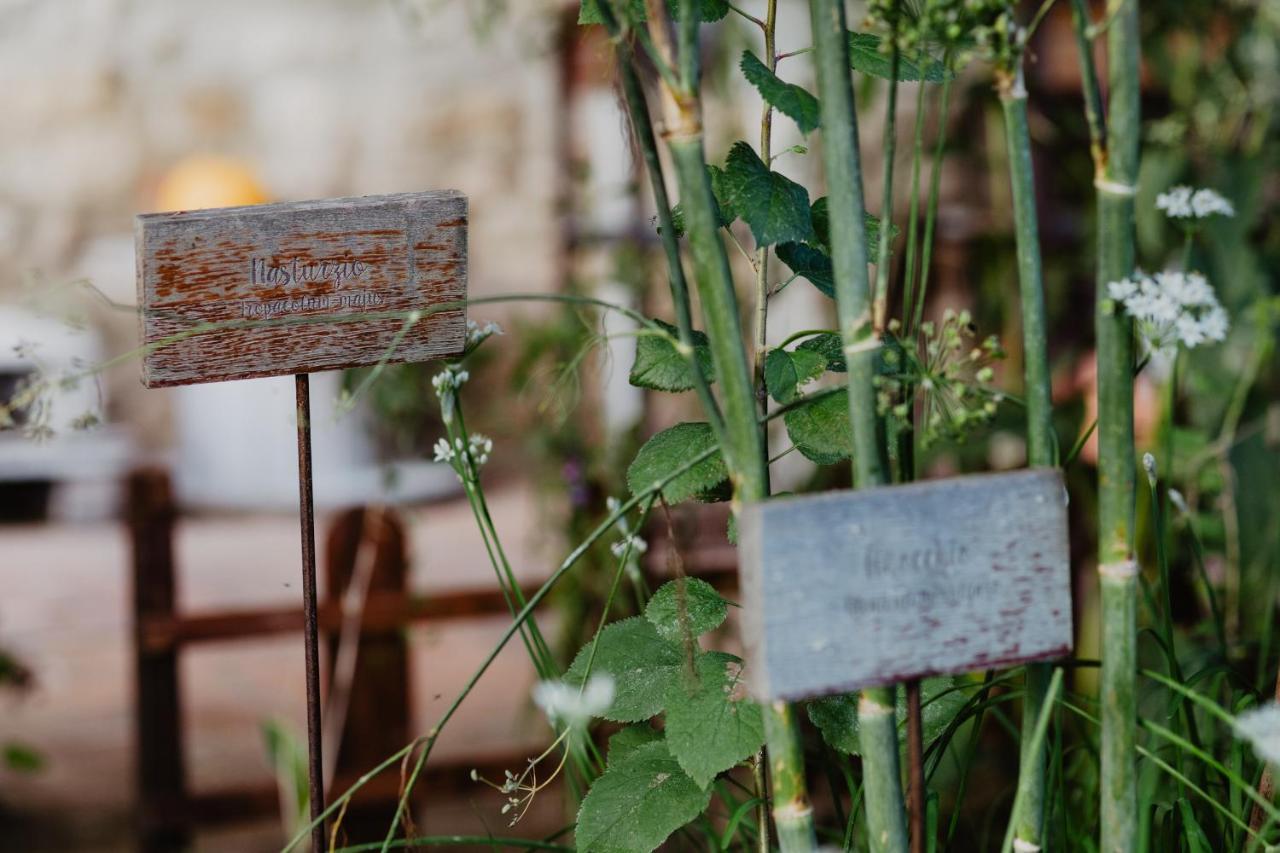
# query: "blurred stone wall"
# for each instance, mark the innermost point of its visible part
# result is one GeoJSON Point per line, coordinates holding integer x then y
{"type": "Point", "coordinates": [317, 97]}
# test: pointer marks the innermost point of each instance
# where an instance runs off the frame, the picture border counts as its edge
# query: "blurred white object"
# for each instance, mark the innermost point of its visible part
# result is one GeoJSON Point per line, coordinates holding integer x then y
{"type": "Point", "coordinates": [82, 467]}
{"type": "Point", "coordinates": [237, 448]}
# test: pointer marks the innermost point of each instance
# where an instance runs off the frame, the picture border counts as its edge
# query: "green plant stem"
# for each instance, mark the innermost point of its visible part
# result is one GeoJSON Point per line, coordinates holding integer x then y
{"type": "Point", "coordinates": [1114, 144]}
{"type": "Point", "coordinates": [760, 334]}
{"type": "Point", "coordinates": [880, 299]}
{"type": "Point", "coordinates": [642, 126]}
{"type": "Point", "coordinates": [886, 817]}
{"type": "Point", "coordinates": [1041, 446]}
{"type": "Point", "coordinates": [909, 297]}
{"type": "Point", "coordinates": [1115, 348]}
{"type": "Point", "coordinates": [1039, 729]}
{"type": "Point", "coordinates": [744, 449]}
{"type": "Point", "coordinates": [792, 814]}
{"type": "Point", "coordinates": [935, 188]}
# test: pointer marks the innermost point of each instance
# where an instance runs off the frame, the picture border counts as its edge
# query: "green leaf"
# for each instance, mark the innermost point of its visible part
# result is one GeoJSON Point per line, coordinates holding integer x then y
{"type": "Point", "coordinates": [21, 758]}
{"type": "Point", "coordinates": [821, 430]}
{"type": "Point", "coordinates": [789, 99]}
{"type": "Point", "coordinates": [837, 716]}
{"type": "Point", "coordinates": [724, 210]}
{"type": "Point", "coordinates": [661, 367]}
{"type": "Point", "coordinates": [628, 740]}
{"type": "Point", "coordinates": [785, 372]}
{"type": "Point", "coordinates": [776, 208]}
{"type": "Point", "coordinates": [809, 263]}
{"type": "Point", "coordinates": [638, 803]}
{"type": "Point", "coordinates": [705, 608]}
{"type": "Point", "coordinates": [643, 665]}
{"type": "Point", "coordinates": [668, 450]}
{"type": "Point", "coordinates": [866, 57]}
{"type": "Point", "coordinates": [589, 12]}
{"type": "Point", "coordinates": [711, 724]}
{"type": "Point", "coordinates": [710, 11]}
{"type": "Point", "coordinates": [830, 346]}
{"type": "Point", "coordinates": [822, 229]}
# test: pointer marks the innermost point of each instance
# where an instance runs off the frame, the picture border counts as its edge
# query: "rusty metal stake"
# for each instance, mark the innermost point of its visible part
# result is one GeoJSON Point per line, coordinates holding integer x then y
{"type": "Point", "coordinates": [915, 760]}
{"type": "Point", "coordinates": [310, 631]}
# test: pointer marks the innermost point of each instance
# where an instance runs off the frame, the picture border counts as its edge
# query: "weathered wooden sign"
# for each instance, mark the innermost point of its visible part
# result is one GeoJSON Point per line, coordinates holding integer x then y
{"type": "Point", "coordinates": [271, 289]}
{"type": "Point", "coordinates": [844, 590]}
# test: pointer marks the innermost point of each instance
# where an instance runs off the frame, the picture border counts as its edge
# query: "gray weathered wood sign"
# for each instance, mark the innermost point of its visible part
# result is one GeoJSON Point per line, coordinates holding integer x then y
{"type": "Point", "coordinates": [844, 590]}
{"type": "Point", "coordinates": [270, 289]}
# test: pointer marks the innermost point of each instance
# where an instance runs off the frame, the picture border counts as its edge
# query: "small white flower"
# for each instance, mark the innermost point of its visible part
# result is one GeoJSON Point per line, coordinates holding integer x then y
{"type": "Point", "coordinates": [1176, 203]}
{"type": "Point", "coordinates": [477, 334]}
{"type": "Point", "coordinates": [444, 452]}
{"type": "Point", "coordinates": [1171, 308]}
{"type": "Point", "coordinates": [1183, 202]}
{"type": "Point", "coordinates": [1261, 728]}
{"type": "Point", "coordinates": [1178, 501]}
{"type": "Point", "coordinates": [1206, 203]}
{"type": "Point", "coordinates": [573, 705]}
{"type": "Point", "coordinates": [1149, 465]}
{"type": "Point", "coordinates": [480, 446]}
{"type": "Point", "coordinates": [637, 545]}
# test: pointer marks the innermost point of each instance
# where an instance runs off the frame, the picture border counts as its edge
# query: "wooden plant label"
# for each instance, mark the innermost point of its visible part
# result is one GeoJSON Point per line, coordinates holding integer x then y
{"type": "Point", "coordinates": [845, 590]}
{"type": "Point", "coordinates": [264, 290]}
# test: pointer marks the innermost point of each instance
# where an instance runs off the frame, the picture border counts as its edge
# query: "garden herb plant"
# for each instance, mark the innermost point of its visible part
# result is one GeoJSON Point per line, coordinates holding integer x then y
{"type": "Point", "coordinates": [654, 737]}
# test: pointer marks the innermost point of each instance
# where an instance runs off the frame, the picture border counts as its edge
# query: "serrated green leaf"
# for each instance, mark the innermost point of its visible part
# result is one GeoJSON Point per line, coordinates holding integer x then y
{"type": "Point", "coordinates": [661, 367]}
{"type": "Point", "coordinates": [775, 207]}
{"type": "Point", "coordinates": [711, 725]}
{"type": "Point", "coordinates": [837, 716]}
{"type": "Point", "coordinates": [638, 802]}
{"type": "Point", "coordinates": [809, 263]}
{"type": "Point", "coordinates": [643, 665]}
{"type": "Point", "coordinates": [866, 57]}
{"type": "Point", "coordinates": [710, 11]}
{"type": "Point", "coordinates": [829, 346]}
{"type": "Point", "coordinates": [789, 99]}
{"type": "Point", "coordinates": [628, 740]}
{"type": "Point", "coordinates": [705, 608]}
{"type": "Point", "coordinates": [822, 229]}
{"type": "Point", "coordinates": [589, 12]}
{"type": "Point", "coordinates": [668, 450]}
{"type": "Point", "coordinates": [785, 372]}
{"type": "Point", "coordinates": [821, 429]}
{"type": "Point", "coordinates": [724, 210]}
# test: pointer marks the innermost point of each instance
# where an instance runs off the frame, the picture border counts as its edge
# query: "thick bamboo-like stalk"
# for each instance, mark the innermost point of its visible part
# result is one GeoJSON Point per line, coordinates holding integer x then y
{"type": "Point", "coordinates": [1115, 173]}
{"type": "Point", "coordinates": [1029, 821]}
{"type": "Point", "coordinates": [743, 444]}
{"type": "Point", "coordinates": [878, 730]}
{"type": "Point", "coordinates": [642, 127]}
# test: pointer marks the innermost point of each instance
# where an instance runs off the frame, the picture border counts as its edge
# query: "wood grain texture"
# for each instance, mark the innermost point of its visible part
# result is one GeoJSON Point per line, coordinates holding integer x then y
{"type": "Point", "coordinates": [845, 590]}
{"type": "Point", "coordinates": [272, 289]}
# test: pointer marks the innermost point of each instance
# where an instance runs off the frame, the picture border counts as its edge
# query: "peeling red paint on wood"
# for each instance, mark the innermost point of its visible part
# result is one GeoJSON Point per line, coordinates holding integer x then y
{"type": "Point", "coordinates": [844, 590]}
{"type": "Point", "coordinates": [274, 289]}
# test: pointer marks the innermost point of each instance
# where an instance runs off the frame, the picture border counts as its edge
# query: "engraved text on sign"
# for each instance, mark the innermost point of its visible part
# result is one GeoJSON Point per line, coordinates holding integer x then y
{"type": "Point", "coordinates": [844, 590]}
{"type": "Point", "coordinates": [273, 289]}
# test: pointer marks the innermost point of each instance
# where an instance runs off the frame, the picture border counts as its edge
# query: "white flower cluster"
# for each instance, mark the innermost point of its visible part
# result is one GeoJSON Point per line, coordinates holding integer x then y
{"type": "Point", "coordinates": [633, 542]}
{"type": "Point", "coordinates": [477, 334]}
{"type": "Point", "coordinates": [1261, 728]}
{"type": "Point", "coordinates": [1187, 203]}
{"type": "Point", "coordinates": [573, 705]}
{"type": "Point", "coordinates": [1172, 308]}
{"type": "Point", "coordinates": [449, 379]}
{"type": "Point", "coordinates": [467, 459]}
{"type": "Point", "coordinates": [447, 382]}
